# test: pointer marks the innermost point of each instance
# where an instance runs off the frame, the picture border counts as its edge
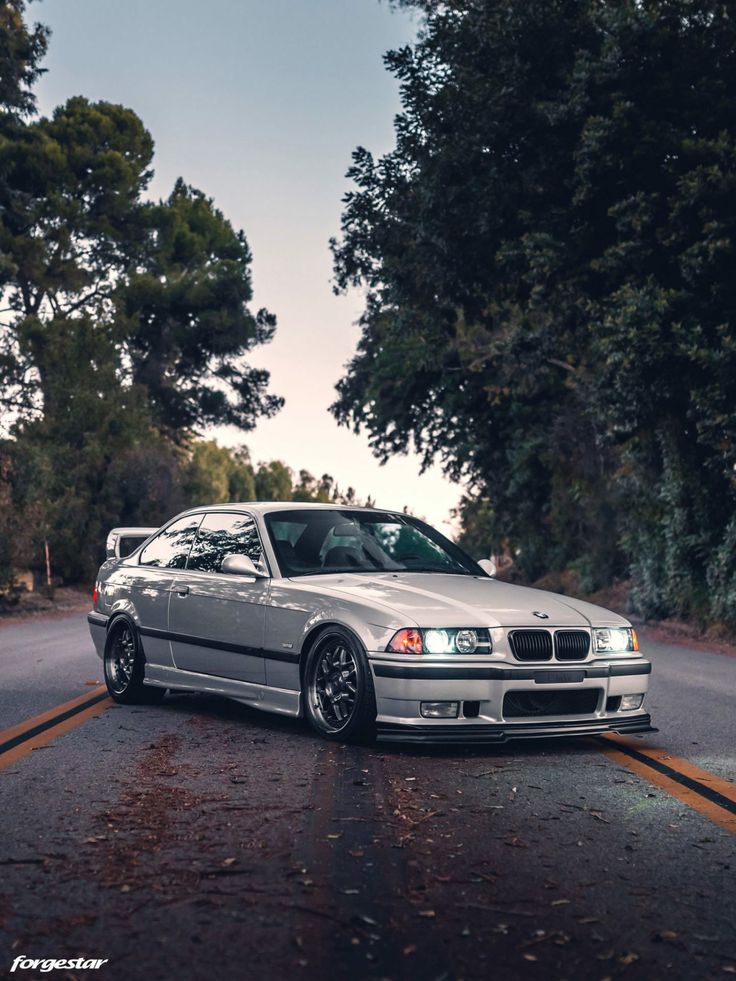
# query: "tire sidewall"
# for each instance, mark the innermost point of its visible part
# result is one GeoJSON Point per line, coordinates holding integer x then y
{"type": "Point", "coordinates": [362, 721]}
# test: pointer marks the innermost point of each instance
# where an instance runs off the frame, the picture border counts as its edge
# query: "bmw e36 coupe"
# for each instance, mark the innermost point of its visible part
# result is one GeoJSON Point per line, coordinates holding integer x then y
{"type": "Point", "coordinates": [369, 623]}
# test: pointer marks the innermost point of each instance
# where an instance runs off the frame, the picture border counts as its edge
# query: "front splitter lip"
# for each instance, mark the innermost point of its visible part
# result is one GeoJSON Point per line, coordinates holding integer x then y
{"type": "Point", "coordinates": [504, 732]}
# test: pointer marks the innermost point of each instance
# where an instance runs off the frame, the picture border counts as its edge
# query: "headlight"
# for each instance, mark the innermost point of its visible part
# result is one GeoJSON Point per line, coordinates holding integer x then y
{"type": "Point", "coordinates": [446, 640]}
{"type": "Point", "coordinates": [615, 640]}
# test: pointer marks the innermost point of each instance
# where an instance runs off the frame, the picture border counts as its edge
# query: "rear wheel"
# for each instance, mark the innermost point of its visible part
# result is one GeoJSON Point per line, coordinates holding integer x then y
{"type": "Point", "coordinates": [124, 667]}
{"type": "Point", "coordinates": [339, 697]}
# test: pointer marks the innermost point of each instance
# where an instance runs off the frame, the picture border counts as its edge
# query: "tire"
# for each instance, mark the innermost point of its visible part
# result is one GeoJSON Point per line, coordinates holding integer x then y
{"type": "Point", "coordinates": [337, 688]}
{"type": "Point", "coordinates": [124, 667]}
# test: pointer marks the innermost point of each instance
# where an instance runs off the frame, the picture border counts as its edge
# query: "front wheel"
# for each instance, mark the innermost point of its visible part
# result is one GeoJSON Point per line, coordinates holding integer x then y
{"type": "Point", "coordinates": [339, 697]}
{"type": "Point", "coordinates": [123, 663]}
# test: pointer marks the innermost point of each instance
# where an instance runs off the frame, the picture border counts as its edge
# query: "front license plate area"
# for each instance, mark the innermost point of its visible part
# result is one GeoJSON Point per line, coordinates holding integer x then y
{"type": "Point", "coordinates": [558, 677]}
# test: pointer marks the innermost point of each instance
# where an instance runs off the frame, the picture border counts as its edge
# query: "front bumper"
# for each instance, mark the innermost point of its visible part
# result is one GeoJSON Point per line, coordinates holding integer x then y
{"type": "Point", "coordinates": [458, 731]}
{"type": "Point", "coordinates": [402, 684]}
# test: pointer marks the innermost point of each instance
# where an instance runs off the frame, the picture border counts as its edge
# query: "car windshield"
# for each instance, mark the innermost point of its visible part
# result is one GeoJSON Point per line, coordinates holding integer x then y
{"type": "Point", "coordinates": [310, 542]}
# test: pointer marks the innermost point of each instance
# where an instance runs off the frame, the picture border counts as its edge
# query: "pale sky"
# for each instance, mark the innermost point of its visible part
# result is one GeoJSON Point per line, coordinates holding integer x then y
{"type": "Point", "coordinates": [259, 103]}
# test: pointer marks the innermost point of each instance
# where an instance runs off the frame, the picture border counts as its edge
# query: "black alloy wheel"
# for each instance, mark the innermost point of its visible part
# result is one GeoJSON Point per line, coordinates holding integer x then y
{"type": "Point", "coordinates": [338, 692]}
{"type": "Point", "coordinates": [124, 667]}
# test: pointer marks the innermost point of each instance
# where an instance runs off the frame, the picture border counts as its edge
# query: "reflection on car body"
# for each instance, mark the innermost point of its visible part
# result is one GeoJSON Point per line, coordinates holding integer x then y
{"type": "Point", "coordinates": [366, 622]}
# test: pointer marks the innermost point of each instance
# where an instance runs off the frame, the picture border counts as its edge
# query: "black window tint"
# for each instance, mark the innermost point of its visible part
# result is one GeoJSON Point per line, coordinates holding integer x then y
{"type": "Point", "coordinates": [225, 534]}
{"type": "Point", "coordinates": [170, 549]}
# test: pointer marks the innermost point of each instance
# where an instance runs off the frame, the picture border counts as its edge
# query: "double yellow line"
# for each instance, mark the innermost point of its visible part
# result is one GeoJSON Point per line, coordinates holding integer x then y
{"type": "Point", "coordinates": [20, 740]}
{"type": "Point", "coordinates": [711, 796]}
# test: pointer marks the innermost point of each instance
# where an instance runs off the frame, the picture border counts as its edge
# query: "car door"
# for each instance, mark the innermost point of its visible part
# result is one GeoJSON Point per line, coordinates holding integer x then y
{"type": "Point", "coordinates": [217, 620]}
{"type": "Point", "coordinates": [151, 579]}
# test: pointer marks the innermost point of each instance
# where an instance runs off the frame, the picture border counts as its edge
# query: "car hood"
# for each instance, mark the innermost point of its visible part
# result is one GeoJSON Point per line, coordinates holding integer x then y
{"type": "Point", "coordinates": [439, 600]}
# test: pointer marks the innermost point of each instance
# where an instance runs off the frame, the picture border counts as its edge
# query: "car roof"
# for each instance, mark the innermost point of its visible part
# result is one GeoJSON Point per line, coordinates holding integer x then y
{"type": "Point", "coordinates": [264, 507]}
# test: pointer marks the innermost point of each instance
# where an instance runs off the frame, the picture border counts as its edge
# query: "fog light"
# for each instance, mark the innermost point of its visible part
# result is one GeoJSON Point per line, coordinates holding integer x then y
{"type": "Point", "coordinates": [629, 703]}
{"type": "Point", "coordinates": [439, 710]}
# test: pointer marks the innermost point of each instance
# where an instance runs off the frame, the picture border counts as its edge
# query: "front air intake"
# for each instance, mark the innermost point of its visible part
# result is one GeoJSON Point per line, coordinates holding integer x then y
{"type": "Point", "coordinates": [530, 704]}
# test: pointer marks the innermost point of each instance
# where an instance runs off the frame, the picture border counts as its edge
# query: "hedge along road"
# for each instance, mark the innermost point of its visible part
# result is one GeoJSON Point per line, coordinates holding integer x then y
{"type": "Point", "coordinates": [199, 836]}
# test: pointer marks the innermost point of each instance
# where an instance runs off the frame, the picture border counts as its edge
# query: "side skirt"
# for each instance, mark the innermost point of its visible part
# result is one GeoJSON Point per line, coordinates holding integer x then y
{"type": "Point", "coordinates": [278, 700]}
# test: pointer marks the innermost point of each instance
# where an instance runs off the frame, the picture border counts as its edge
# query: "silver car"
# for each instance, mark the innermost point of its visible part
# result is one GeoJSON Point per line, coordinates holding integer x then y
{"type": "Point", "coordinates": [368, 623]}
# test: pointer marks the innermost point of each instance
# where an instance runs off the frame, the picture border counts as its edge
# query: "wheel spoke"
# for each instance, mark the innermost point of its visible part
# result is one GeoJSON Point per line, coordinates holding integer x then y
{"type": "Point", "coordinates": [334, 686]}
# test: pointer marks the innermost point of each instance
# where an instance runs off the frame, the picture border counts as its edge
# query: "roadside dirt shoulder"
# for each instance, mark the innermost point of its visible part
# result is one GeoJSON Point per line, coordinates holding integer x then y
{"type": "Point", "coordinates": [34, 606]}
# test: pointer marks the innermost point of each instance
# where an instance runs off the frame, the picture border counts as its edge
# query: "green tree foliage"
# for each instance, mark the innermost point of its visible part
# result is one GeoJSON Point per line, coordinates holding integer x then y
{"type": "Point", "coordinates": [274, 482]}
{"type": "Point", "coordinates": [169, 283]}
{"type": "Point", "coordinates": [217, 475]}
{"type": "Point", "coordinates": [322, 491]}
{"type": "Point", "coordinates": [124, 326]}
{"type": "Point", "coordinates": [21, 52]}
{"type": "Point", "coordinates": [187, 321]}
{"type": "Point", "coordinates": [550, 307]}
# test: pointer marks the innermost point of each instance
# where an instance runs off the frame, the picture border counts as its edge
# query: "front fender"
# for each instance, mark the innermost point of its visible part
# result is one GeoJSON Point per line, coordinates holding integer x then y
{"type": "Point", "coordinates": [373, 636]}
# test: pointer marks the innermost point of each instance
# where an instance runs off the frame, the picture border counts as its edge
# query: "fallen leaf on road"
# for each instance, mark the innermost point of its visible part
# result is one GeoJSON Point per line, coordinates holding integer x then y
{"type": "Point", "coordinates": [560, 902]}
{"type": "Point", "coordinates": [599, 817]}
{"type": "Point", "coordinates": [409, 949]}
{"type": "Point", "coordinates": [630, 958]}
{"type": "Point", "coordinates": [428, 914]}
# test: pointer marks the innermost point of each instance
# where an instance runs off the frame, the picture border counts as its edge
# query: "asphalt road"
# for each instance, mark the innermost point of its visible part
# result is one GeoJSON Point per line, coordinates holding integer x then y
{"type": "Point", "coordinates": [200, 838]}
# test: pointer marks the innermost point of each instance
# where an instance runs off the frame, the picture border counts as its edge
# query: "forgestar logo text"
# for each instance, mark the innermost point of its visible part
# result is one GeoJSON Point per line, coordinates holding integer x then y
{"type": "Point", "coordinates": [46, 964]}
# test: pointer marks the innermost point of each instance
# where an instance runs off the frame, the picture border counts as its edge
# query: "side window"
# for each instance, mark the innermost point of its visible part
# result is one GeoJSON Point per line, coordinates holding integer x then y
{"type": "Point", "coordinates": [170, 549]}
{"type": "Point", "coordinates": [222, 534]}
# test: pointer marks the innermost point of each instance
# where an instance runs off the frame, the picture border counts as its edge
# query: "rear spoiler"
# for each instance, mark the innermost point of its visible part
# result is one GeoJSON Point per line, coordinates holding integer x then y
{"type": "Point", "coordinates": [122, 541]}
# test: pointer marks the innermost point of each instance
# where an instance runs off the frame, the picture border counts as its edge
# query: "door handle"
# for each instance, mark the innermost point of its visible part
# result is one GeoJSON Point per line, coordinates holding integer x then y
{"type": "Point", "coordinates": [182, 590]}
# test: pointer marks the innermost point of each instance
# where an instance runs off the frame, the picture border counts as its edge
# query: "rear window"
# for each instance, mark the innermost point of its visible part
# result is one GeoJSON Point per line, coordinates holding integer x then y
{"type": "Point", "coordinates": [129, 543]}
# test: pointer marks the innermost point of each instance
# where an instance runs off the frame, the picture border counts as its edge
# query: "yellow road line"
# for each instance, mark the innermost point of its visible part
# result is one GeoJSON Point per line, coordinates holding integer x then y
{"type": "Point", "coordinates": [19, 740]}
{"type": "Point", "coordinates": [711, 796]}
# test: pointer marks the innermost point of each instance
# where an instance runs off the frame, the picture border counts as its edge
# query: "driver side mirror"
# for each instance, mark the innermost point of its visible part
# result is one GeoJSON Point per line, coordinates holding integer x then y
{"type": "Point", "coordinates": [241, 565]}
{"type": "Point", "coordinates": [488, 566]}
